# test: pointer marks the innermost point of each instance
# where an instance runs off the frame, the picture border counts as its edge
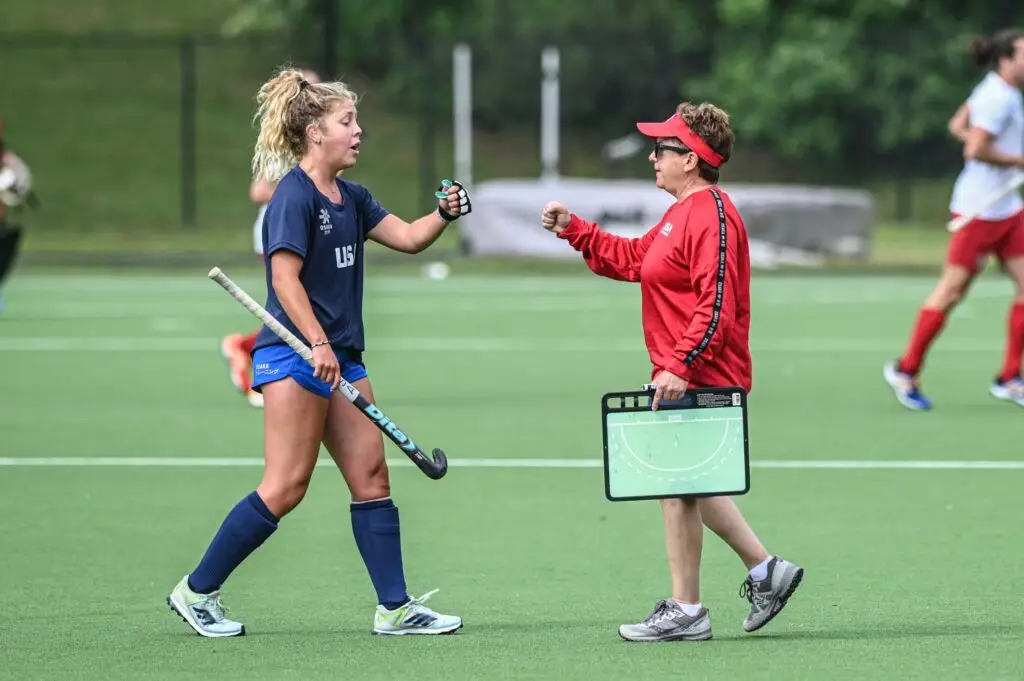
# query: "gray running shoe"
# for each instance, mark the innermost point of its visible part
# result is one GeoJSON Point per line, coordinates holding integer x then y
{"type": "Point", "coordinates": [768, 596]}
{"type": "Point", "coordinates": [668, 622]}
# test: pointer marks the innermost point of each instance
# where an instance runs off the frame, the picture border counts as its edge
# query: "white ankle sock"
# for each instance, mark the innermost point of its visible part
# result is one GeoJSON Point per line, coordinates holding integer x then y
{"type": "Point", "coordinates": [689, 609]}
{"type": "Point", "coordinates": [760, 571]}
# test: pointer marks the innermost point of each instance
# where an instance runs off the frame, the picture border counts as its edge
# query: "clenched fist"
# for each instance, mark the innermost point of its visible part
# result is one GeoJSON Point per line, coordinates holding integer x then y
{"type": "Point", "coordinates": [554, 217]}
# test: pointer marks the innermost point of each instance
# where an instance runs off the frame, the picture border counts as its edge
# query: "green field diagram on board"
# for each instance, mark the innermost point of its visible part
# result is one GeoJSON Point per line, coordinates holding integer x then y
{"type": "Point", "coordinates": [675, 452]}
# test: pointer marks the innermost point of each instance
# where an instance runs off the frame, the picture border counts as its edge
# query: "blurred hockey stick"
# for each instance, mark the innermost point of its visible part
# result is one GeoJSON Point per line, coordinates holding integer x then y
{"type": "Point", "coordinates": [1013, 185]}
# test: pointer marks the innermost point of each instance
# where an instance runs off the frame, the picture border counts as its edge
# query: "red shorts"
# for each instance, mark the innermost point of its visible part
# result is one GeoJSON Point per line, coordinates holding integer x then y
{"type": "Point", "coordinates": [971, 246]}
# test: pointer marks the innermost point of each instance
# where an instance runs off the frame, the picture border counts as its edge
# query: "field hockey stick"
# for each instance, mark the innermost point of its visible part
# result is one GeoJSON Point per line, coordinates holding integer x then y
{"type": "Point", "coordinates": [433, 468]}
{"type": "Point", "coordinates": [1013, 185]}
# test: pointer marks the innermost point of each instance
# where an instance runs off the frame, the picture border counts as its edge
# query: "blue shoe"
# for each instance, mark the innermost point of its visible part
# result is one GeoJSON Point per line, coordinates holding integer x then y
{"type": "Point", "coordinates": [905, 387]}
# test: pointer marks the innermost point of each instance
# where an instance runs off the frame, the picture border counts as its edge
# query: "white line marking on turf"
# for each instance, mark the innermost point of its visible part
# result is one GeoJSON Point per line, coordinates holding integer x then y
{"type": "Point", "coordinates": [465, 301]}
{"type": "Point", "coordinates": [469, 344]}
{"type": "Point", "coordinates": [200, 462]}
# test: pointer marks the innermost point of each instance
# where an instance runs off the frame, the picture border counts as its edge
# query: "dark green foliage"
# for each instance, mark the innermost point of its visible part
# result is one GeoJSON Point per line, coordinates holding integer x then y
{"type": "Point", "coordinates": [859, 86]}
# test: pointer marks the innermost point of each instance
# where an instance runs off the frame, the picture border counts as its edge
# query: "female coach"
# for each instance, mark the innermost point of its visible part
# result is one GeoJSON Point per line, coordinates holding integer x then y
{"type": "Point", "coordinates": [313, 237]}
{"type": "Point", "coordinates": [694, 274]}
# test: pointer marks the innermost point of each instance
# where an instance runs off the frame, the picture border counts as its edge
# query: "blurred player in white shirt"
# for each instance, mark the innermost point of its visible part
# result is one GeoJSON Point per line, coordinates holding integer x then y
{"type": "Point", "coordinates": [236, 347]}
{"type": "Point", "coordinates": [991, 125]}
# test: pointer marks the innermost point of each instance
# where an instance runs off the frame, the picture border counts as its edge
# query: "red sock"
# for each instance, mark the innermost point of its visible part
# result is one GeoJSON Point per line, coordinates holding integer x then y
{"type": "Point", "coordinates": [249, 341]}
{"type": "Point", "coordinates": [1014, 343]}
{"type": "Point", "coordinates": [929, 322]}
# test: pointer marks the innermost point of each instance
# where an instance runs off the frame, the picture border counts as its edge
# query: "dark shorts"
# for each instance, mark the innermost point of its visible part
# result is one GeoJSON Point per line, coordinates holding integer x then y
{"type": "Point", "coordinates": [274, 362]}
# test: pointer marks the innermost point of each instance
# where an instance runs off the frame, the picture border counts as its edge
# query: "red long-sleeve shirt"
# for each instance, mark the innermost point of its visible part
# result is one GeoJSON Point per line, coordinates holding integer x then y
{"type": "Point", "coordinates": [694, 274]}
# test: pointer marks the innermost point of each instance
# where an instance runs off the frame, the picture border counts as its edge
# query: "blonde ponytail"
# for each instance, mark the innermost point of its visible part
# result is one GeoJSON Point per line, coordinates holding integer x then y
{"type": "Point", "coordinates": [286, 105]}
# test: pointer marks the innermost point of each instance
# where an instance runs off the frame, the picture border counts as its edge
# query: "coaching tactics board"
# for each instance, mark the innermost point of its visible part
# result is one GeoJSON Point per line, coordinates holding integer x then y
{"type": "Point", "coordinates": [694, 447]}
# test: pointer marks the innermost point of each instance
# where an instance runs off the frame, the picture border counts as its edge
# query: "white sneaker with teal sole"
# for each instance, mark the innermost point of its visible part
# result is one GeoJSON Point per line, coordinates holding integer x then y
{"type": "Point", "coordinates": [414, 618]}
{"type": "Point", "coordinates": [203, 612]}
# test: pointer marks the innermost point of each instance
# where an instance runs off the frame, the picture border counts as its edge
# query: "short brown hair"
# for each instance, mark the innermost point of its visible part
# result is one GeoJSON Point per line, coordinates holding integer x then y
{"type": "Point", "coordinates": [712, 125]}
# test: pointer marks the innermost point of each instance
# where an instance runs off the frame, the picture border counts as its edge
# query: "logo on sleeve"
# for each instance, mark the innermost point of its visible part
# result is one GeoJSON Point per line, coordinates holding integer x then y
{"type": "Point", "coordinates": [325, 221]}
{"type": "Point", "coordinates": [667, 229]}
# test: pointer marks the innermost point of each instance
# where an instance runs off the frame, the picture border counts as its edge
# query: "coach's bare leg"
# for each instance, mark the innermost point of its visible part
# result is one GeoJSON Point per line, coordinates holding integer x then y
{"type": "Point", "coordinates": [684, 543]}
{"type": "Point", "coordinates": [683, 617]}
{"type": "Point", "coordinates": [771, 580]}
{"type": "Point", "coordinates": [357, 446]}
{"type": "Point", "coordinates": [723, 517]}
{"type": "Point", "coordinates": [293, 425]}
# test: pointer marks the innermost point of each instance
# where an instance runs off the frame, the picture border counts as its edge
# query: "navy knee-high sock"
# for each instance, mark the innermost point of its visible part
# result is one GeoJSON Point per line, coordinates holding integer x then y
{"type": "Point", "coordinates": [246, 526]}
{"type": "Point", "coordinates": [376, 529]}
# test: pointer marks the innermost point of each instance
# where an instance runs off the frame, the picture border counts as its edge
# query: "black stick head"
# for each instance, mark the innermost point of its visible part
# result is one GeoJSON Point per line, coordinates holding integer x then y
{"type": "Point", "coordinates": [437, 470]}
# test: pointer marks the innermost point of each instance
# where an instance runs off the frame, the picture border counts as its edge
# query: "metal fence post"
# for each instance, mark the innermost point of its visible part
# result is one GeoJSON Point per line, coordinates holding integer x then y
{"type": "Point", "coordinates": [187, 141]}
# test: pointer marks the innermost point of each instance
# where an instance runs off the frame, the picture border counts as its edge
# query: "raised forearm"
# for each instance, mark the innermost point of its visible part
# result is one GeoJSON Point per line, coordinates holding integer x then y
{"type": "Point", "coordinates": [425, 231]}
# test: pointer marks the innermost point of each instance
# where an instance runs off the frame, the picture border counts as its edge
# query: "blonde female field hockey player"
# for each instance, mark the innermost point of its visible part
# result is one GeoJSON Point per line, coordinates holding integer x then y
{"type": "Point", "coordinates": [313, 236]}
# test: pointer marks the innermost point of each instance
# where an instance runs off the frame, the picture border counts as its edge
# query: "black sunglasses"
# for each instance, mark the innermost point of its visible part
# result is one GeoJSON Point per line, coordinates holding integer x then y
{"type": "Point", "coordinates": [660, 147]}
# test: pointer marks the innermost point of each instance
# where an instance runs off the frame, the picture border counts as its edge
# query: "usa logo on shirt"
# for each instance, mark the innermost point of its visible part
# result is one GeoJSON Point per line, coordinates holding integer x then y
{"type": "Point", "coordinates": [667, 229]}
{"type": "Point", "coordinates": [325, 221]}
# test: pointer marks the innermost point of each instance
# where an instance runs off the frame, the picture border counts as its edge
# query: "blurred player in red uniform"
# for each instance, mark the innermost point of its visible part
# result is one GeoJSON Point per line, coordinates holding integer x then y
{"type": "Point", "coordinates": [694, 273]}
{"type": "Point", "coordinates": [237, 348]}
{"type": "Point", "coordinates": [991, 126]}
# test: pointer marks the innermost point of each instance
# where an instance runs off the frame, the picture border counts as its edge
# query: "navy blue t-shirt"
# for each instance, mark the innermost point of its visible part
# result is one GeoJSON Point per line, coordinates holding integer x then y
{"type": "Point", "coordinates": [329, 237]}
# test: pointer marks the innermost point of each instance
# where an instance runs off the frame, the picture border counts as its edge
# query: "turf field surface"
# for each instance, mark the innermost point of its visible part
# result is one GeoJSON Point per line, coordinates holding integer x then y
{"type": "Point", "coordinates": [123, 445]}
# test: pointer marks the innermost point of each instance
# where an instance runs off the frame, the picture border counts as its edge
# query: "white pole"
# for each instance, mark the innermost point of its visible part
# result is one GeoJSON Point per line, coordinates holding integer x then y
{"type": "Point", "coordinates": [462, 105]}
{"type": "Point", "coordinates": [549, 113]}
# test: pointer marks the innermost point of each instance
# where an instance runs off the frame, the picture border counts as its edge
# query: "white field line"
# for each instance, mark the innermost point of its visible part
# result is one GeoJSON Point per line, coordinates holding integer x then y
{"type": "Point", "coordinates": [201, 462]}
{"type": "Point", "coordinates": [467, 301]}
{"type": "Point", "coordinates": [470, 344]}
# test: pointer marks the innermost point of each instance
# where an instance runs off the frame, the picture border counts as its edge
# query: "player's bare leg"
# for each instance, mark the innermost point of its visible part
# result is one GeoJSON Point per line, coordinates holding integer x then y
{"type": "Point", "coordinates": [357, 447]}
{"type": "Point", "coordinates": [683, 617]}
{"type": "Point", "coordinates": [771, 580]}
{"type": "Point", "coordinates": [293, 425]}
{"type": "Point", "coordinates": [903, 376]}
{"type": "Point", "coordinates": [1009, 385]}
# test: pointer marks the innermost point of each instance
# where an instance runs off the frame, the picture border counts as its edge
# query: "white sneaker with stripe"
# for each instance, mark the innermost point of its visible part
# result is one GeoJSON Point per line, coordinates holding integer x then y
{"type": "Point", "coordinates": [414, 618]}
{"type": "Point", "coordinates": [203, 612]}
